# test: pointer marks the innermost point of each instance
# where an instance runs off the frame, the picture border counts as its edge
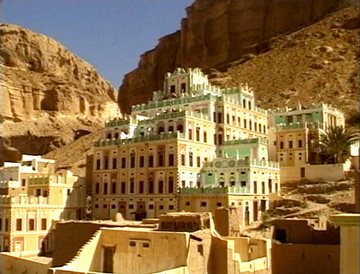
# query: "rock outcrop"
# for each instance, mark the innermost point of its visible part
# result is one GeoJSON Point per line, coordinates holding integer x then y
{"type": "Point", "coordinates": [217, 32]}
{"type": "Point", "coordinates": [48, 94]}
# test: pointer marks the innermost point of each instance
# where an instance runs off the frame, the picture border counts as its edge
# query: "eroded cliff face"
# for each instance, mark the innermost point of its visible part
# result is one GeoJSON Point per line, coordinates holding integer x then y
{"type": "Point", "coordinates": [48, 94]}
{"type": "Point", "coordinates": [216, 32]}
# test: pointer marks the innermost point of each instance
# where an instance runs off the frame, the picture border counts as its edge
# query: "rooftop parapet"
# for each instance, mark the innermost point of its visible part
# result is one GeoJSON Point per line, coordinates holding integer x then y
{"type": "Point", "coordinates": [260, 140]}
{"type": "Point", "coordinates": [172, 115]}
{"type": "Point", "coordinates": [256, 109]}
{"type": "Point", "coordinates": [41, 180]}
{"type": "Point", "coordinates": [291, 111]}
{"type": "Point", "coordinates": [120, 122]}
{"type": "Point", "coordinates": [147, 138]}
{"type": "Point", "coordinates": [231, 163]}
{"type": "Point", "coordinates": [23, 200]}
{"type": "Point", "coordinates": [214, 190]}
{"type": "Point", "coordinates": [9, 184]}
{"type": "Point", "coordinates": [292, 126]}
{"type": "Point", "coordinates": [173, 102]}
{"type": "Point", "coordinates": [25, 169]}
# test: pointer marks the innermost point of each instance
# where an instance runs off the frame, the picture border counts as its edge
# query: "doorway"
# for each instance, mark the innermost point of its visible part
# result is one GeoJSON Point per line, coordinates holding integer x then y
{"type": "Point", "coordinates": [122, 209]}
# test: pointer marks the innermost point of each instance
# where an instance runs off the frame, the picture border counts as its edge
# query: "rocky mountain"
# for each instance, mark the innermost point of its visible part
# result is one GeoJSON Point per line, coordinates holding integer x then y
{"type": "Point", "coordinates": [318, 63]}
{"type": "Point", "coordinates": [49, 96]}
{"type": "Point", "coordinates": [217, 33]}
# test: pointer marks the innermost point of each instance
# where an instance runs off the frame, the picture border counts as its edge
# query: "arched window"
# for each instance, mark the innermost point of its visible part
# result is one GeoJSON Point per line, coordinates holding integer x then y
{"type": "Point", "coordinates": [113, 187]}
{"type": "Point", "coordinates": [105, 188]}
{"type": "Point", "coordinates": [97, 188]}
{"type": "Point", "coordinates": [171, 184]}
{"type": "Point", "coordinates": [106, 162]}
{"type": "Point", "coordinates": [108, 136]}
{"type": "Point", "coordinates": [161, 130]}
{"type": "Point", "coordinates": [132, 185]}
{"type": "Point", "coordinates": [180, 128]}
{"type": "Point", "coordinates": [171, 129]}
{"type": "Point", "coordinates": [116, 135]}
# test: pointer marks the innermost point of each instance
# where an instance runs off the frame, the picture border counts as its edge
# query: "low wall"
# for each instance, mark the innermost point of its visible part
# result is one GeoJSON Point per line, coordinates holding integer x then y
{"type": "Point", "coordinates": [82, 260]}
{"type": "Point", "coordinates": [10, 264]}
{"type": "Point", "coordinates": [330, 172]}
{"type": "Point", "coordinates": [254, 265]}
{"type": "Point", "coordinates": [305, 258]}
{"type": "Point", "coordinates": [179, 270]}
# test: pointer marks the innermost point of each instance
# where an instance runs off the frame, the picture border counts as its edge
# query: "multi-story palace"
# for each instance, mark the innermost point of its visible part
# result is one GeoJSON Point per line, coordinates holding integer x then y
{"type": "Point", "coordinates": [33, 196]}
{"type": "Point", "coordinates": [194, 147]}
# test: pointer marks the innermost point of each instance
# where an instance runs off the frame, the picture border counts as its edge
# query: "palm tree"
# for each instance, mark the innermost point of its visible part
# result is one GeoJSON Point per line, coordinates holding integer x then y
{"type": "Point", "coordinates": [335, 143]}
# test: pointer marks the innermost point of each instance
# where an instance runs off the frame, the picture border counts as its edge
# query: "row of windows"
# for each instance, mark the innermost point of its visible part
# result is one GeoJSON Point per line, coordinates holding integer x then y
{"type": "Point", "coordinates": [290, 144]}
{"type": "Point", "coordinates": [160, 188]}
{"type": "Point", "coordinates": [19, 224]}
{"type": "Point", "coordinates": [255, 187]}
{"type": "Point", "coordinates": [132, 163]}
{"type": "Point", "coordinates": [197, 135]}
{"type": "Point", "coordinates": [191, 160]}
{"type": "Point", "coordinates": [247, 124]}
{"type": "Point", "coordinates": [219, 204]}
{"type": "Point", "coordinates": [131, 206]}
{"type": "Point", "coordinates": [141, 162]}
{"type": "Point", "coordinates": [290, 157]}
{"type": "Point", "coordinates": [139, 188]}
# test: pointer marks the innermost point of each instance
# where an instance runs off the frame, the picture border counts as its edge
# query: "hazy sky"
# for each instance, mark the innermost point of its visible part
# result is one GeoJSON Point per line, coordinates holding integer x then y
{"type": "Point", "coordinates": [109, 34]}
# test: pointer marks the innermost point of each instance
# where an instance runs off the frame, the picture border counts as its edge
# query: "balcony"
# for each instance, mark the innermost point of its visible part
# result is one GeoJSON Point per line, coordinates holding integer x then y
{"type": "Point", "coordinates": [214, 190]}
{"type": "Point", "coordinates": [41, 180]}
{"type": "Point", "coordinates": [292, 126]}
{"type": "Point", "coordinates": [231, 163]}
{"type": "Point", "coordinates": [173, 102]}
{"type": "Point", "coordinates": [23, 200]}
{"type": "Point", "coordinates": [9, 184]}
{"type": "Point", "coordinates": [140, 139]}
{"type": "Point", "coordinates": [260, 140]}
{"type": "Point", "coordinates": [117, 123]}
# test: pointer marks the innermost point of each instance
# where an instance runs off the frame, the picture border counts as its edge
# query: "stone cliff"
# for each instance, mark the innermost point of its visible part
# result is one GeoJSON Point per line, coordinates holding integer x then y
{"type": "Point", "coordinates": [216, 32]}
{"type": "Point", "coordinates": [49, 96]}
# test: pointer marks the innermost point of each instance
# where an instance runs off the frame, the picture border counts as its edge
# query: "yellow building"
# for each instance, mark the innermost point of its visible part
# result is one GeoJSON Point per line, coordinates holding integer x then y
{"type": "Point", "coordinates": [34, 195]}
{"type": "Point", "coordinates": [293, 134]}
{"type": "Point", "coordinates": [294, 137]}
{"type": "Point", "coordinates": [162, 147]}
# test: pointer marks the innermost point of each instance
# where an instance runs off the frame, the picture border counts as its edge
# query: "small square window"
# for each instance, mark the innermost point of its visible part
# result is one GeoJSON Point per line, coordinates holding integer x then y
{"type": "Point", "coordinates": [161, 207]}
{"type": "Point", "coordinates": [203, 204]}
{"type": "Point", "coordinates": [113, 206]}
{"type": "Point", "coordinates": [187, 203]}
{"type": "Point", "coordinates": [132, 243]}
{"type": "Point", "coordinates": [151, 206]}
{"type": "Point", "coordinates": [218, 204]}
{"type": "Point", "coordinates": [146, 245]}
{"type": "Point", "coordinates": [105, 206]}
{"type": "Point", "coordinates": [96, 205]}
{"type": "Point", "coordinates": [131, 206]}
{"type": "Point", "coordinates": [200, 249]}
{"type": "Point", "coordinates": [171, 207]}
